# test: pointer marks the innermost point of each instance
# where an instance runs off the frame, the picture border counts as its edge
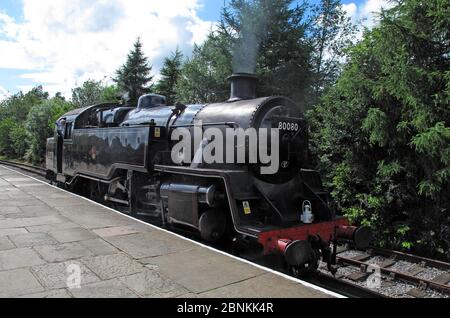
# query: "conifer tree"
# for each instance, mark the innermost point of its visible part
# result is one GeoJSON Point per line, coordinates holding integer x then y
{"type": "Point", "coordinates": [133, 78]}
{"type": "Point", "coordinates": [170, 73]}
{"type": "Point", "coordinates": [382, 133]}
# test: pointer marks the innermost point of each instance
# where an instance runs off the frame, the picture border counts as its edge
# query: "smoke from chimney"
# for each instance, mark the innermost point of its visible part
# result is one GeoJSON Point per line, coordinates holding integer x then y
{"type": "Point", "coordinates": [252, 33]}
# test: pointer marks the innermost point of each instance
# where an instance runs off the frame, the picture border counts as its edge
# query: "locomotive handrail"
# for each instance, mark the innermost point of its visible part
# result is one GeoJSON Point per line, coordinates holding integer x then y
{"type": "Point", "coordinates": [230, 124]}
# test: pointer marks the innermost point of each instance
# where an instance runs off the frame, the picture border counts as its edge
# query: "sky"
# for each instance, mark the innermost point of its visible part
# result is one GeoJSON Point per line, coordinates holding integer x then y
{"type": "Point", "coordinates": [59, 44]}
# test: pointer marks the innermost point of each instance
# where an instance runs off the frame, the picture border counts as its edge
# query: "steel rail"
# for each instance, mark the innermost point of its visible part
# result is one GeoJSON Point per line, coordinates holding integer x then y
{"type": "Point", "coordinates": [26, 167]}
{"type": "Point", "coordinates": [398, 275]}
{"type": "Point", "coordinates": [396, 256]}
{"type": "Point", "coordinates": [342, 287]}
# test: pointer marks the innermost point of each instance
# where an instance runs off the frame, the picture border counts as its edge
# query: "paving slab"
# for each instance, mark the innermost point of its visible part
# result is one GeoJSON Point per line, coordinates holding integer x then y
{"type": "Point", "coordinates": [6, 232]}
{"type": "Point", "coordinates": [39, 210]}
{"type": "Point", "coordinates": [116, 231]}
{"type": "Point", "coordinates": [72, 235]}
{"type": "Point", "coordinates": [20, 202]}
{"type": "Point", "coordinates": [32, 239]}
{"type": "Point", "coordinates": [58, 294]}
{"type": "Point", "coordinates": [23, 222]}
{"type": "Point", "coordinates": [217, 270]}
{"type": "Point", "coordinates": [63, 252]}
{"type": "Point", "coordinates": [139, 246]}
{"type": "Point", "coordinates": [152, 284]}
{"type": "Point", "coordinates": [19, 258]}
{"type": "Point", "coordinates": [18, 282]}
{"type": "Point", "coordinates": [5, 244]}
{"type": "Point", "coordinates": [105, 289]}
{"type": "Point", "coordinates": [99, 247]}
{"type": "Point", "coordinates": [9, 210]}
{"type": "Point", "coordinates": [94, 219]}
{"type": "Point", "coordinates": [264, 286]}
{"type": "Point", "coordinates": [52, 227]}
{"type": "Point", "coordinates": [56, 275]}
{"type": "Point", "coordinates": [113, 266]}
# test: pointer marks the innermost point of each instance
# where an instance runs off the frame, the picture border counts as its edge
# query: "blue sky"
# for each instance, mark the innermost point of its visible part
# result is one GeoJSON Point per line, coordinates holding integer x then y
{"type": "Point", "coordinates": [60, 44]}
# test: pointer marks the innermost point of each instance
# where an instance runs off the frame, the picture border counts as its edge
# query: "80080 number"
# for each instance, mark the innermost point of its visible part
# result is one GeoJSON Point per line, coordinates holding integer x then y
{"type": "Point", "coordinates": [287, 126]}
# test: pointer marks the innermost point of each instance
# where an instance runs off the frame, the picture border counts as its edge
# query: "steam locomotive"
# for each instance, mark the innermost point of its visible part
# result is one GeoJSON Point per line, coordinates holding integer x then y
{"type": "Point", "coordinates": [124, 156]}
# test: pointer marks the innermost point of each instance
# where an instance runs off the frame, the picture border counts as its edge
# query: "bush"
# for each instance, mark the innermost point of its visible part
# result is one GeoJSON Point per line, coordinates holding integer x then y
{"type": "Point", "coordinates": [19, 140]}
{"type": "Point", "coordinates": [382, 134]}
{"type": "Point", "coordinates": [6, 127]}
{"type": "Point", "coordinates": [41, 124]}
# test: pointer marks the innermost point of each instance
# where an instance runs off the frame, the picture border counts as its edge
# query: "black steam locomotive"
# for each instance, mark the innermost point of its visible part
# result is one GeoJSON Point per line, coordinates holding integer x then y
{"type": "Point", "coordinates": [124, 156]}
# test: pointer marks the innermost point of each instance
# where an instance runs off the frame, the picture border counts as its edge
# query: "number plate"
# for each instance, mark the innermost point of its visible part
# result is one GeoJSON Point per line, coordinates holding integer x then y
{"type": "Point", "coordinates": [288, 124]}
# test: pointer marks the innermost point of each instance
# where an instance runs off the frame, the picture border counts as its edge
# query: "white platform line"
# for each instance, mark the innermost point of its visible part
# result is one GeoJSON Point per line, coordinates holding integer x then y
{"type": "Point", "coordinates": [293, 279]}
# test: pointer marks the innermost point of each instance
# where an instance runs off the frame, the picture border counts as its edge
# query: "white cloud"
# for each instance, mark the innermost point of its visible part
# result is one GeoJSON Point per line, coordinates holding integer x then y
{"type": "Point", "coordinates": [66, 42]}
{"type": "Point", "coordinates": [366, 13]}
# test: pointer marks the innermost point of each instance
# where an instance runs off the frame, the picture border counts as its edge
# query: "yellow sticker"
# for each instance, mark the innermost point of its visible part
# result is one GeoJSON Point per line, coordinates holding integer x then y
{"type": "Point", "coordinates": [157, 132]}
{"type": "Point", "coordinates": [247, 209]}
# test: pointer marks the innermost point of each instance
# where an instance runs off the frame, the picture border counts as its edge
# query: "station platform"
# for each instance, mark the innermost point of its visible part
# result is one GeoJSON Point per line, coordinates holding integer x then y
{"type": "Point", "coordinates": [54, 244]}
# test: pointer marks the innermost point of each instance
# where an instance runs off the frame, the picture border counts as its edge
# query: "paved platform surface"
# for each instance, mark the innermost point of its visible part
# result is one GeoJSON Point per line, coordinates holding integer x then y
{"type": "Point", "coordinates": [47, 235]}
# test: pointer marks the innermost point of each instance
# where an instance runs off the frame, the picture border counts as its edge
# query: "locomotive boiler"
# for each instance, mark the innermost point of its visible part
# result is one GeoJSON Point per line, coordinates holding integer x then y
{"type": "Point", "coordinates": [126, 156]}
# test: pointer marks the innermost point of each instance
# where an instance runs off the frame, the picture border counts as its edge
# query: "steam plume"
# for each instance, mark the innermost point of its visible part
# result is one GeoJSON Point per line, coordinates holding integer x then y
{"type": "Point", "coordinates": [253, 31]}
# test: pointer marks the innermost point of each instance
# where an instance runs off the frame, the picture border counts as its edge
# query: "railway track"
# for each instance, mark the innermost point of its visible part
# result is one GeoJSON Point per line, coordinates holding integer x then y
{"type": "Point", "coordinates": [395, 274]}
{"type": "Point", "coordinates": [25, 167]}
{"type": "Point", "coordinates": [374, 273]}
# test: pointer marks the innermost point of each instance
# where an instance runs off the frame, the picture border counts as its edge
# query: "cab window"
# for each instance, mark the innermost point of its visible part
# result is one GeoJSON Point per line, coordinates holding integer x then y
{"type": "Point", "coordinates": [68, 132]}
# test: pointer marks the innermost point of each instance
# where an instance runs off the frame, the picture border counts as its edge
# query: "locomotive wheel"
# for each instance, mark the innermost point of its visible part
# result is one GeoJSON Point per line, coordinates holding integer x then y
{"type": "Point", "coordinates": [212, 225]}
{"type": "Point", "coordinates": [96, 192]}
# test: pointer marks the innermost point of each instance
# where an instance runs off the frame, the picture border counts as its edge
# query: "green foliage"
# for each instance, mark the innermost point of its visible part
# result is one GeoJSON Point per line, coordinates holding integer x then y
{"type": "Point", "coordinates": [203, 76]}
{"type": "Point", "coordinates": [94, 92]}
{"type": "Point", "coordinates": [19, 141]}
{"type": "Point", "coordinates": [170, 74]}
{"type": "Point", "coordinates": [40, 126]}
{"type": "Point", "coordinates": [13, 113]}
{"type": "Point", "coordinates": [6, 127]}
{"type": "Point", "coordinates": [375, 126]}
{"type": "Point", "coordinates": [110, 94]}
{"type": "Point", "coordinates": [90, 93]}
{"type": "Point", "coordinates": [382, 133]}
{"type": "Point", "coordinates": [133, 77]}
{"type": "Point", "coordinates": [17, 106]}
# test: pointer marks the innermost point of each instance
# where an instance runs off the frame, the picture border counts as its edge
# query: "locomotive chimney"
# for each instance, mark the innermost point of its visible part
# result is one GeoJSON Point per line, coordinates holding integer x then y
{"type": "Point", "coordinates": [243, 86]}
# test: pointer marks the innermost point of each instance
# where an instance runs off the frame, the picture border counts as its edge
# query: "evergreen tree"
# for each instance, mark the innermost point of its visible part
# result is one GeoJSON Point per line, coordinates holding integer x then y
{"type": "Point", "coordinates": [170, 74]}
{"type": "Point", "coordinates": [270, 37]}
{"type": "Point", "coordinates": [382, 133]}
{"type": "Point", "coordinates": [133, 78]}
{"type": "Point", "coordinates": [204, 76]}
